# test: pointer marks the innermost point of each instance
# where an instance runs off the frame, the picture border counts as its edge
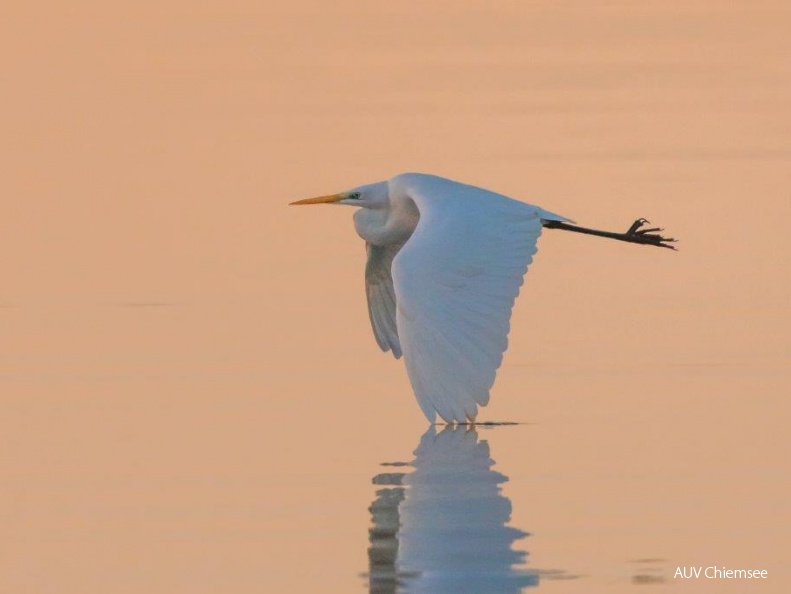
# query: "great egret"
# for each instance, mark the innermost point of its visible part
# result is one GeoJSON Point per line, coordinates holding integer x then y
{"type": "Point", "coordinates": [445, 263]}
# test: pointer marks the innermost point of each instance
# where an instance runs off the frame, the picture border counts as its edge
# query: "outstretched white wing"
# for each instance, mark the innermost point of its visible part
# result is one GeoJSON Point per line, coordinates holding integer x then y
{"type": "Point", "coordinates": [456, 280]}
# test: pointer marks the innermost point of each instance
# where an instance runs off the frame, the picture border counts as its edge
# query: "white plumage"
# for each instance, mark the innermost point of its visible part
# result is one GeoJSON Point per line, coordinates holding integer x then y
{"type": "Point", "coordinates": [456, 280]}
{"type": "Point", "coordinates": [445, 264]}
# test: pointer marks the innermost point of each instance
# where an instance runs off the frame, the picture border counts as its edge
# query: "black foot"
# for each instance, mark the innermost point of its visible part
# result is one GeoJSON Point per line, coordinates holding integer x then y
{"type": "Point", "coordinates": [638, 234]}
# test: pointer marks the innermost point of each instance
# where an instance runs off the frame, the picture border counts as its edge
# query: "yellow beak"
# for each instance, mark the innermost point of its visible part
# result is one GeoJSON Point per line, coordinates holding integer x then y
{"type": "Point", "coordinates": [321, 199]}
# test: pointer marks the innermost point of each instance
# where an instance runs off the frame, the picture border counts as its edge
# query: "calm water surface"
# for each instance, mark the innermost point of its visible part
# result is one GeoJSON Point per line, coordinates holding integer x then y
{"type": "Point", "coordinates": [443, 526]}
{"type": "Point", "coordinates": [192, 400]}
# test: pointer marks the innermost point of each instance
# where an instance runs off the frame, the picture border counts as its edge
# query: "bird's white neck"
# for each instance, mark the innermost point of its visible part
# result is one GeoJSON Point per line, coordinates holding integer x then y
{"type": "Point", "coordinates": [388, 222]}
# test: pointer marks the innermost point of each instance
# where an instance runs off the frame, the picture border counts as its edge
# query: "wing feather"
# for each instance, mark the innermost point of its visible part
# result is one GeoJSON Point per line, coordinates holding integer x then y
{"type": "Point", "coordinates": [381, 296]}
{"type": "Point", "coordinates": [455, 282]}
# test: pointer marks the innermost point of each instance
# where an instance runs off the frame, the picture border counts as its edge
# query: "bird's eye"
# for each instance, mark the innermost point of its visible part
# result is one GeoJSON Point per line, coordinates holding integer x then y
{"type": "Point", "coordinates": [354, 196]}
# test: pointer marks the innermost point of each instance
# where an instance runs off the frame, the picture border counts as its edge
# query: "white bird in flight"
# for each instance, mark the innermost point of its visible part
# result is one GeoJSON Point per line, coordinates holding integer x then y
{"type": "Point", "coordinates": [445, 264]}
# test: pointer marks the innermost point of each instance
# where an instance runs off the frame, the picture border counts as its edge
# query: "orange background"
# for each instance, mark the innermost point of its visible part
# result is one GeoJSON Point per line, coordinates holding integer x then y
{"type": "Point", "coordinates": [193, 401]}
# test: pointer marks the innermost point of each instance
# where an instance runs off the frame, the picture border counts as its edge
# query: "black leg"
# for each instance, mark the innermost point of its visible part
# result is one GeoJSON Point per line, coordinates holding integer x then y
{"type": "Point", "coordinates": [637, 233]}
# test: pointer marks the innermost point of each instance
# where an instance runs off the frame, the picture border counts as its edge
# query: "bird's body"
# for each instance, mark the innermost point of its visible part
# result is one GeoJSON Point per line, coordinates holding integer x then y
{"type": "Point", "coordinates": [445, 264]}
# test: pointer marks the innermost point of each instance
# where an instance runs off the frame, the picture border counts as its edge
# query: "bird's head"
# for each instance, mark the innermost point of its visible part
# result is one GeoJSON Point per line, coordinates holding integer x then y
{"type": "Point", "coordinates": [368, 196]}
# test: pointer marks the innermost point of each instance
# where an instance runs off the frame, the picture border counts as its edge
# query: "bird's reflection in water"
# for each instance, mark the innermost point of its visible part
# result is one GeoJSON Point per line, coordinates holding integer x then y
{"type": "Point", "coordinates": [442, 526]}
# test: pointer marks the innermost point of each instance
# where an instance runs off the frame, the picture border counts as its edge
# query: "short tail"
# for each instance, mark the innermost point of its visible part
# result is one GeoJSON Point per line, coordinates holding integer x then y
{"type": "Point", "coordinates": [545, 215]}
